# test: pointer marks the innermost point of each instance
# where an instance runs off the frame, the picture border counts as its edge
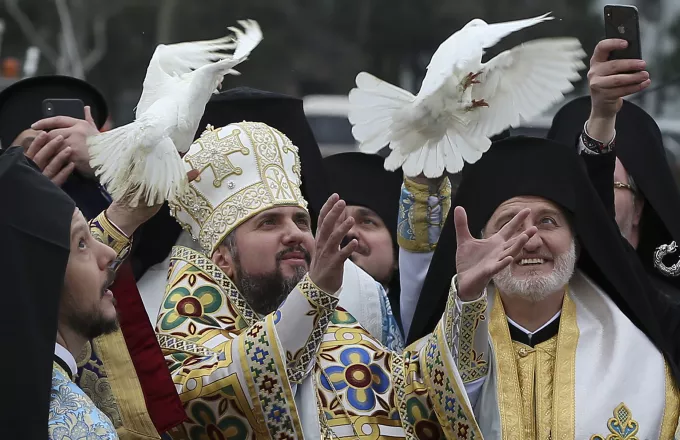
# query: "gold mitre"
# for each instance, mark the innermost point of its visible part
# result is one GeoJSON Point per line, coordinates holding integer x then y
{"type": "Point", "coordinates": [245, 168]}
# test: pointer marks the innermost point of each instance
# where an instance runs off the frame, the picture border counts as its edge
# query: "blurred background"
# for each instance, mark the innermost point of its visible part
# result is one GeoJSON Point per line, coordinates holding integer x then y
{"type": "Point", "coordinates": [312, 49]}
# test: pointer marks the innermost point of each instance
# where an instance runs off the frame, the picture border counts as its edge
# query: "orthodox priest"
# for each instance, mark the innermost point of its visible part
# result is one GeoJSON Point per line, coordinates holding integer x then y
{"type": "Point", "coordinates": [535, 360]}
{"type": "Point", "coordinates": [245, 364]}
{"type": "Point", "coordinates": [372, 196]}
{"type": "Point", "coordinates": [121, 372]}
{"type": "Point", "coordinates": [59, 310]}
{"type": "Point", "coordinates": [362, 296]}
{"type": "Point", "coordinates": [623, 141]}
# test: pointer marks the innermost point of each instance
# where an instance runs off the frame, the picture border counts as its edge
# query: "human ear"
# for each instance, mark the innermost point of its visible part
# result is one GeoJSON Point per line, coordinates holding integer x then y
{"type": "Point", "coordinates": [224, 260]}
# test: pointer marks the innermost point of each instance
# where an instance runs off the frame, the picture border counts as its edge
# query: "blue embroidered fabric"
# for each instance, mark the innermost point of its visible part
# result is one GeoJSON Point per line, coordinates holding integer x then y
{"type": "Point", "coordinates": [73, 415]}
{"type": "Point", "coordinates": [391, 337]}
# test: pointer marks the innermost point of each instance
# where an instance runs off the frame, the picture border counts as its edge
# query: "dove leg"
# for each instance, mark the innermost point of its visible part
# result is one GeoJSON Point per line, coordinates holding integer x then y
{"type": "Point", "coordinates": [470, 79]}
{"type": "Point", "coordinates": [477, 103]}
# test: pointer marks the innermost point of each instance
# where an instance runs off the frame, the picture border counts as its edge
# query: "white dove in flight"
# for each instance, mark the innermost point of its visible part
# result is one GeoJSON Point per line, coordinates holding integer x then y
{"type": "Point", "coordinates": [141, 160]}
{"type": "Point", "coordinates": [462, 101]}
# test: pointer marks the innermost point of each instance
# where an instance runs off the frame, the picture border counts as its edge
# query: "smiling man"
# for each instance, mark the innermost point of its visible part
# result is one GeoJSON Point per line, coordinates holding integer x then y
{"type": "Point", "coordinates": [250, 360]}
{"type": "Point", "coordinates": [533, 360]}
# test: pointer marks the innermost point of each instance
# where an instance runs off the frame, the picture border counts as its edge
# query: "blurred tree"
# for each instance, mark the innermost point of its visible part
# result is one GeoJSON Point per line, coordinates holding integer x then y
{"type": "Point", "coordinates": [77, 40]}
{"type": "Point", "coordinates": [309, 46]}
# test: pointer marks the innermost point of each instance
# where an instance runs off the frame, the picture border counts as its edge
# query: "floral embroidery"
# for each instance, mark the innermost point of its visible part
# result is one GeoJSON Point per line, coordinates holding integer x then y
{"type": "Point", "coordinates": [195, 306]}
{"type": "Point", "coordinates": [209, 427]}
{"type": "Point", "coordinates": [359, 376]}
{"type": "Point", "coordinates": [424, 419]}
{"type": "Point", "coordinates": [64, 401]}
{"type": "Point", "coordinates": [72, 415]}
{"type": "Point", "coordinates": [621, 426]}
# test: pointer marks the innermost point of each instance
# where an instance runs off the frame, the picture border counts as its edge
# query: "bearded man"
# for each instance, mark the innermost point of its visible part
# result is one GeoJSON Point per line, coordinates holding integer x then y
{"type": "Point", "coordinates": [567, 321]}
{"type": "Point", "coordinates": [65, 304]}
{"type": "Point", "coordinates": [247, 366]}
{"type": "Point", "coordinates": [362, 297]}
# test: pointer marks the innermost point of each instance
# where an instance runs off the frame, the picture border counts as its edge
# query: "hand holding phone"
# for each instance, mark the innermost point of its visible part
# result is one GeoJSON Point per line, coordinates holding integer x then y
{"type": "Point", "coordinates": [73, 108]}
{"type": "Point", "coordinates": [623, 22]}
{"type": "Point", "coordinates": [75, 130]}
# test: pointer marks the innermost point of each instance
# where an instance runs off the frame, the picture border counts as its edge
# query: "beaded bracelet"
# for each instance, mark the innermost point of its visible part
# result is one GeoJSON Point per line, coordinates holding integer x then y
{"type": "Point", "coordinates": [594, 146]}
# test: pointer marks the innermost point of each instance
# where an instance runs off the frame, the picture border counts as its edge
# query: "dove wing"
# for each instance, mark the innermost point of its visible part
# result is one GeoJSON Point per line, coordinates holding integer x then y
{"type": "Point", "coordinates": [248, 39]}
{"type": "Point", "coordinates": [169, 62]}
{"type": "Point", "coordinates": [467, 46]}
{"type": "Point", "coordinates": [525, 81]}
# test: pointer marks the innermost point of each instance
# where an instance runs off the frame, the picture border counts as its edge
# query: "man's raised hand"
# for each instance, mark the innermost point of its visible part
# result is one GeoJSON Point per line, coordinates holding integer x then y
{"type": "Point", "coordinates": [326, 269]}
{"type": "Point", "coordinates": [610, 81]}
{"type": "Point", "coordinates": [478, 260]}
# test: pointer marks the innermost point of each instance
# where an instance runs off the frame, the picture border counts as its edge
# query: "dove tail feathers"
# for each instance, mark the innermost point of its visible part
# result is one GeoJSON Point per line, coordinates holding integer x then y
{"type": "Point", "coordinates": [373, 104]}
{"type": "Point", "coordinates": [134, 166]}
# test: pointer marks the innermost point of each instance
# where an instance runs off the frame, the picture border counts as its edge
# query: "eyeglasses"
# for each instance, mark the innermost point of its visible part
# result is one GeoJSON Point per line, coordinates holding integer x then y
{"type": "Point", "coordinates": [622, 185]}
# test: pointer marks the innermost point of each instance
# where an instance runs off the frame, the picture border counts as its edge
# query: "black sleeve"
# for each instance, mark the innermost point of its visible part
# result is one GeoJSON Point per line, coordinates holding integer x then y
{"type": "Point", "coordinates": [600, 168]}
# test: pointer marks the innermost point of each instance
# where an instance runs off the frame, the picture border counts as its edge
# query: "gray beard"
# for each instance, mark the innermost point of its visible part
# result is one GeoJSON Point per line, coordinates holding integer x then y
{"type": "Point", "coordinates": [536, 288]}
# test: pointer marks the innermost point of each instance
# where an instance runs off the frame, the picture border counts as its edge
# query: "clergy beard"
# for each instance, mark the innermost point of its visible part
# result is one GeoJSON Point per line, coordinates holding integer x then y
{"type": "Point", "coordinates": [537, 288]}
{"type": "Point", "coordinates": [91, 323]}
{"type": "Point", "coordinates": [265, 292]}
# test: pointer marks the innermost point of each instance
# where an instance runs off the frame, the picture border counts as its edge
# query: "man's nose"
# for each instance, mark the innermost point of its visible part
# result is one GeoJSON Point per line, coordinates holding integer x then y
{"type": "Point", "coordinates": [533, 244]}
{"type": "Point", "coordinates": [293, 234]}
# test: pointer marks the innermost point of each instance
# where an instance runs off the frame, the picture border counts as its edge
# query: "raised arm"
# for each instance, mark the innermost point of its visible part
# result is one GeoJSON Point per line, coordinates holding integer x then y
{"type": "Point", "coordinates": [258, 363]}
{"type": "Point", "coordinates": [423, 207]}
{"type": "Point", "coordinates": [459, 346]}
{"type": "Point", "coordinates": [609, 82]}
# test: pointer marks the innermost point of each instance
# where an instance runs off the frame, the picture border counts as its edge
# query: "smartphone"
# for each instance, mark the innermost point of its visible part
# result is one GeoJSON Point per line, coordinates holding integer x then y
{"type": "Point", "coordinates": [63, 107]}
{"type": "Point", "coordinates": [623, 22]}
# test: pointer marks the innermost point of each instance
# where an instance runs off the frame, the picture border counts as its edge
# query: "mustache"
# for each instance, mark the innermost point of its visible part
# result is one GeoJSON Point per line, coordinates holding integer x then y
{"type": "Point", "coordinates": [302, 250]}
{"type": "Point", "coordinates": [110, 278]}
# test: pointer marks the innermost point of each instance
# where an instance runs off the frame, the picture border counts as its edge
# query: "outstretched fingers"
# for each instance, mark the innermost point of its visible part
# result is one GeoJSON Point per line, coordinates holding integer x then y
{"type": "Point", "coordinates": [516, 244]}
{"type": "Point", "coordinates": [462, 229]}
{"type": "Point", "coordinates": [329, 223]}
{"type": "Point", "coordinates": [334, 241]}
{"type": "Point", "coordinates": [330, 203]}
{"type": "Point", "coordinates": [509, 229]}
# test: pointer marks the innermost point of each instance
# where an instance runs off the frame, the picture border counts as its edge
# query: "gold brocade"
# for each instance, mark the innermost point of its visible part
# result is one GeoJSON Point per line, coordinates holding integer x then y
{"type": "Point", "coordinates": [535, 386]}
{"type": "Point", "coordinates": [416, 216]}
{"type": "Point", "coordinates": [535, 367]}
{"type": "Point", "coordinates": [125, 386]}
{"type": "Point", "coordinates": [671, 412]}
{"type": "Point", "coordinates": [245, 169]}
{"type": "Point", "coordinates": [117, 392]}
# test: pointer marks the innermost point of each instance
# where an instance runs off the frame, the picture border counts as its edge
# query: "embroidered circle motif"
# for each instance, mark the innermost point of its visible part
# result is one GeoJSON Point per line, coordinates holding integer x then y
{"type": "Point", "coordinates": [190, 306]}
{"type": "Point", "coordinates": [425, 429]}
{"type": "Point", "coordinates": [358, 376]}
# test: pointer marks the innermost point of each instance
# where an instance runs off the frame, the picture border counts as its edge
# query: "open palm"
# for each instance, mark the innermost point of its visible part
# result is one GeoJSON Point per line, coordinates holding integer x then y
{"type": "Point", "coordinates": [478, 260]}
